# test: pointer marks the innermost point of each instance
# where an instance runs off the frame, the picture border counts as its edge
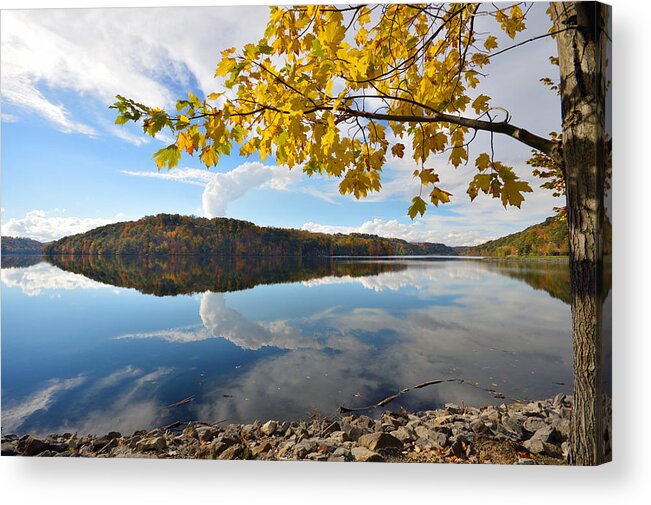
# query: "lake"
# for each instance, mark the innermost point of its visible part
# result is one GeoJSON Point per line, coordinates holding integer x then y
{"type": "Point", "coordinates": [96, 344]}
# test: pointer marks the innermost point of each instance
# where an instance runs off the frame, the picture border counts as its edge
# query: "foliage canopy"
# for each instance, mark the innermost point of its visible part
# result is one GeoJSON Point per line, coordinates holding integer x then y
{"type": "Point", "coordinates": [337, 90]}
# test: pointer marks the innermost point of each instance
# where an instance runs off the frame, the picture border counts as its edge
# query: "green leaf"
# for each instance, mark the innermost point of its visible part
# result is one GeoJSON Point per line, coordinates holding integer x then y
{"type": "Point", "coordinates": [168, 156]}
{"type": "Point", "coordinates": [418, 206]}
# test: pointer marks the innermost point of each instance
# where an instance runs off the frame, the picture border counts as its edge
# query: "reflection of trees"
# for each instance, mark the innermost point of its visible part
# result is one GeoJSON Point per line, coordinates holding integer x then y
{"type": "Point", "coordinates": [173, 275]}
{"type": "Point", "coordinates": [20, 260]}
{"type": "Point", "coordinates": [550, 276]}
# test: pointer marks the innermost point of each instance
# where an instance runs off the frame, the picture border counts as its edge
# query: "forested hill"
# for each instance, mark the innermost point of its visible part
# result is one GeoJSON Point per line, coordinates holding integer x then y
{"type": "Point", "coordinates": [15, 245]}
{"type": "Point", "coordinates": [172, 234]}
{"type": "Point", "coordinates": [549, 238]}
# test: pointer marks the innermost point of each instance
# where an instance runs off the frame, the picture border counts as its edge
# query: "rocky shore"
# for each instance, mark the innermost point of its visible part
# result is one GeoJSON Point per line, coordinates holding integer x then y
{"type": "Point", "coordinates": [533, 433]}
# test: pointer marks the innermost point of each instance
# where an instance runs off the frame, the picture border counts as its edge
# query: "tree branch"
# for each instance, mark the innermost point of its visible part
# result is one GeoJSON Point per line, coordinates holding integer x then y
{"type": "Point", "coordinates": [542, 144]}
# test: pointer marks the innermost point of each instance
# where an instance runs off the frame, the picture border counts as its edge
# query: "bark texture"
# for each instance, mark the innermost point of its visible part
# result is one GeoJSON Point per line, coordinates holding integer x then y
{"type": "Point", "coordinates": [582, 62]}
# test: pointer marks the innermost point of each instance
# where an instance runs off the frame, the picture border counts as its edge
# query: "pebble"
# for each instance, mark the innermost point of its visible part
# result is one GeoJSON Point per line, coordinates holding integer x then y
{"type": "Point", "coordinates": [453, 433]}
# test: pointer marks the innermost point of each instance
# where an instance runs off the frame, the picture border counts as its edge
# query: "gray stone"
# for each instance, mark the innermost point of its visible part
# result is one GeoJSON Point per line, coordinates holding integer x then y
{"type": "Point", "coordinates": [452, 408]}
{"type": "Point", "coordinates": [376, 441]}
{"type": "Point", "coordinates": [534, 445]}
{"type": "Point", "coordinates": [548, 434]}
{"type": "Point", "coordinates": [479, 427]}
{"type": "Point", "coordinates": [152, 444]}
{"type": "Point", "coordinates": [34, 446]}
{"type": "Point", "coordinates": [303, 448]}
{"type": "Point", "coordinates": [403, 434]}
{"type": "Point", "coordinates": [364, 454]}
{"type": "Point", "coordinates": [269, 428]}
{"type": "Point", "coordinates": [237, 451]}
{"type": "Point", "coordinates": [353, 432]}
{"type": "Point", "coordinates": [532, 424]}
{"type": "Point", "coordinates": [262, 449]}
{"type": "Point", "coordinates": [9, 449]}
{"type": "Point", "coordinates": [338, 437]}
{"type": "Point", "coordinates": [563, 427]}
{"type": "Point", "coordinates": [342, 452]}
{"type": "Point", "coordinates": [331, 428]}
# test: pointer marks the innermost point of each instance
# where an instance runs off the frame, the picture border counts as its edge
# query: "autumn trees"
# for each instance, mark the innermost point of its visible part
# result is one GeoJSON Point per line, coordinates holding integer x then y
{"type": "Point", "coordinates": [338, 90]}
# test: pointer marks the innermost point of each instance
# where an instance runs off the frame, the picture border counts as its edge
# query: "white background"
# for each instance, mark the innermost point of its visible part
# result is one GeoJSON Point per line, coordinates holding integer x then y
{"type": "Point", "coordinates": [627, 479]}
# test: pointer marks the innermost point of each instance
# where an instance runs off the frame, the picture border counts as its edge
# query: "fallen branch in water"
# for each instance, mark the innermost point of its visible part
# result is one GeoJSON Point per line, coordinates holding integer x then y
{"type": "Point", "coordinates": [182, 402]}
{"type": "Point", "coordinates": [389, 399]}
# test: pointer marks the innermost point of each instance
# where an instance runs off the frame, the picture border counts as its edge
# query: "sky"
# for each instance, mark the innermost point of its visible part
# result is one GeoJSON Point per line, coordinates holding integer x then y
{"type": "Point", "coordinates": [67, 168]}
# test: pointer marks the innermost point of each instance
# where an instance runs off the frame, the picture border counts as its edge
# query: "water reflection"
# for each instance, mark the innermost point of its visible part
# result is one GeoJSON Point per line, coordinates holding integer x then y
{"type": "Point", "coordinates": [174, 275]}
{"type": "Point", "coordinates": [308, 336]}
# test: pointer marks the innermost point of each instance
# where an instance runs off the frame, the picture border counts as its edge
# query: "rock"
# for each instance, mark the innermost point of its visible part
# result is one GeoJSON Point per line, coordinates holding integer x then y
{"type": "Point", "coordinates": [452, 408]}
{"type": "Point", "coordinates": [269, 428]}
{"type": "Point", "coordinates": [353, 432]}
{"type": "Point", "coordinates": [9, 449]}
{"type": "Point", "coordinates": [364, 454]}
{"type": "Point", "coordinates": [479, 427]}
{"type": "Point", "coordinates": [317, 456]}
{"type": "Point", "coordinates": [534, 445]}
{"type": "Point", "coordinates": [284, 449]}
{"type": "Point", "coordinates": [207, 434]}
{"type": "Point", "coordinates": [440, 439]}
{"type": "Point", "coordinates": [422, 431]}
{"type": "Point", "coordinates": [376, 441]}
{"type": "Point", "coordinates": [34, 446]}
{"type": "Point", "coordinates": [514, 423]}
{"type": "Point", "coordinates": [338, 437]}
{"type": "Point", "coordinates": [534, 408]}
{"type": "Point", "coordinates": [152, 444]}
{"type": "Point", "coordinates": [190, 431]}
{"type": "Point", "coordinates": [111, 444]}
{"type": "Point", "coordinates": [46, 454]}
{"type": "Point", "coordinates": [559, 400]}
{"type": "Point", "coordinates": [303, 448]}
{"type": "Point", "coordinates": [548, 434]}
{"type": "Point", "coordinates": [403, 434]}
{"type": "Point", "coordinates": [533, 424]}
{"type": "Point", "coordinates": [237, 451]}
{"type": "Point", "coordinates": [261, 449]}
{"type": "Point", "coordinates": [342, 452]}
{"type": "Point", "coordinates": [563, 427]}
{"type": "Point", "coordinates": [248, 432]}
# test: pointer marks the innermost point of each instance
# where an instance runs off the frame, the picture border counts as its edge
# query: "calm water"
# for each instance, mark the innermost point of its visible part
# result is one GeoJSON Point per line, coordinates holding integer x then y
{"type": "Point", "coordinates": [94, 345]}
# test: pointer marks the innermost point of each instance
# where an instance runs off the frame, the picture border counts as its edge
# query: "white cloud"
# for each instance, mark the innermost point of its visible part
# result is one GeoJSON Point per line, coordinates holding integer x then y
{"type": "Point", "coordinates": [9, 118]}
{"type": "Point", "coordinates": [38, 225]}
{"type": "Point", "coordinates": [140, 53]}
{"type": "Point", "coordinates": [34, 280]}
{"type": "Point", "coordinates": [14, 416]}
{"type": "Point", "coordinates": [222, 188]}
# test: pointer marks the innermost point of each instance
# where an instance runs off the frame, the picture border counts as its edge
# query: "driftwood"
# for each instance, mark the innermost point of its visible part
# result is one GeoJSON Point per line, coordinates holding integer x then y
{"type": "Point", "coordinates": [389, 399]}
{"type": "Point", "coordinates": [182, 402]}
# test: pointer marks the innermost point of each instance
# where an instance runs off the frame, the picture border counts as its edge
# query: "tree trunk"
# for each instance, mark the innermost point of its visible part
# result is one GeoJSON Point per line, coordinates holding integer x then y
{"type": "Point", "coordinates": [582, 62]}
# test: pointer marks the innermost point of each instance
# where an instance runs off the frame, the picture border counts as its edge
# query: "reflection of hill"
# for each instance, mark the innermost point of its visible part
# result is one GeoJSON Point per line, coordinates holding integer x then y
{"type": "Point", "coordinates": [550, 276]}
{"type": "Point", "coordinates": [20, 260]}
{"type": "Point", "coordinates": [173, 275]}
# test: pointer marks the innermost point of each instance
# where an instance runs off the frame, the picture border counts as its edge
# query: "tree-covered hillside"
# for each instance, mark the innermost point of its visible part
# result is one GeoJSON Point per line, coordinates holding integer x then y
{"type": "Point", "coordinates": [172, 234]}
{"type": "Point", "coordinates": [549, 238]}
{"type": "Point", "coordinates": [17, 245]}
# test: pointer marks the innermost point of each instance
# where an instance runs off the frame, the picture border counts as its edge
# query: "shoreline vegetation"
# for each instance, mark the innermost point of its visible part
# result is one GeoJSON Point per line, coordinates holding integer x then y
{"type": "Point", "coordinates": [534, 433]}
{"type": "Point", "coordinates": [176, 235]}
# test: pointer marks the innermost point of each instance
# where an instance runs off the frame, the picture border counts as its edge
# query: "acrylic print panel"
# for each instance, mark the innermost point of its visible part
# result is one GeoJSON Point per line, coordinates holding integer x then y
{"type": "Point", "coordinates": [320, 233]}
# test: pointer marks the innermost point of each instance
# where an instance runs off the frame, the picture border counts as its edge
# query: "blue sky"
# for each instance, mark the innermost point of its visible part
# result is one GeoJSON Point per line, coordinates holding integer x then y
{"type": "Point", "coordinates": [67, 168]}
